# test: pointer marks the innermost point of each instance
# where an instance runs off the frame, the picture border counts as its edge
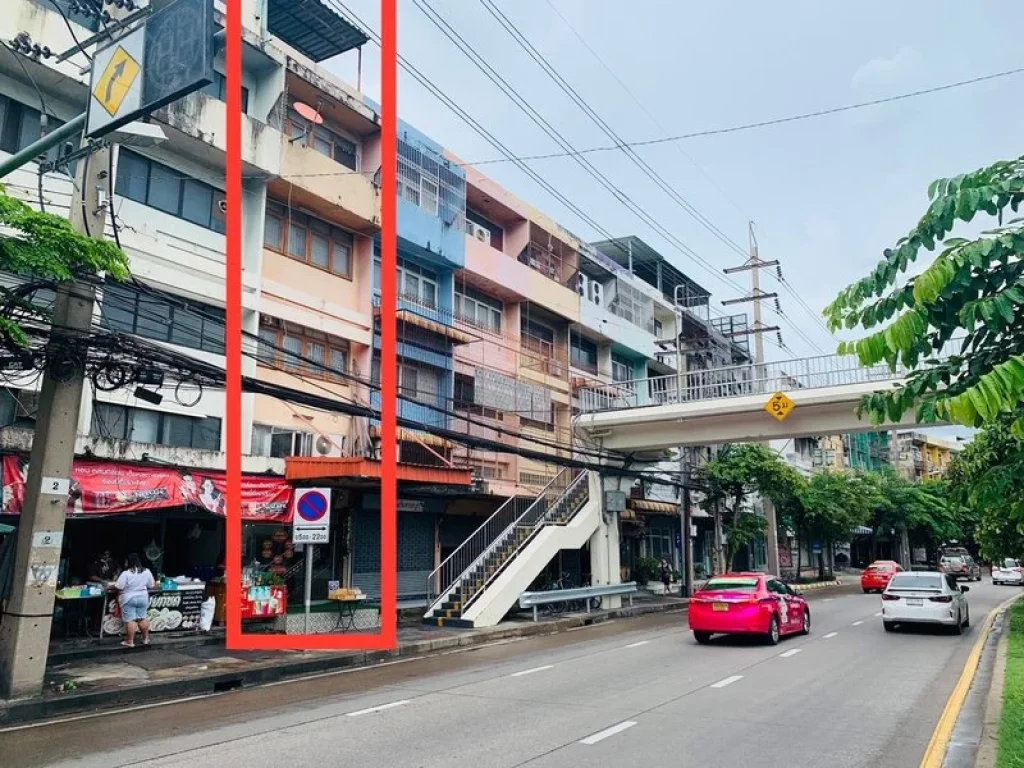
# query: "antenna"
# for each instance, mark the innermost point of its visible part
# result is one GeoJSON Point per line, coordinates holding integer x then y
{"type": "Point", "coordinates": [309, 114]}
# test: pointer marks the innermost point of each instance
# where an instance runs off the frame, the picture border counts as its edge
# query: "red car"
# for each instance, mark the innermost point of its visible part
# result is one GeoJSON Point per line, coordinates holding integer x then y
{"type": "Point", "coordinates": [748, 604]}
{"type": "Point", "coordinates": [876, 577]}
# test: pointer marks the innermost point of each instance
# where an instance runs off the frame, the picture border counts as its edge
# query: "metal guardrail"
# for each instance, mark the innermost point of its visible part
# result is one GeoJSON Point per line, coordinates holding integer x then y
{"type": "Point", "coordinates": [736, 381]}
{"type": "Point", "coordinates": [548, 596]}
{"type": "Point", "coordinates": [517, 510]}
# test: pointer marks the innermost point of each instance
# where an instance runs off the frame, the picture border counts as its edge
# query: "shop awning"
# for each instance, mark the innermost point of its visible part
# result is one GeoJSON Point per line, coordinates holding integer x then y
{"type": "Point", "coordinates": [861, 530]}
{"type": "Point", "coordinates": [662, 508]}
{"type": "Point", "coordinates": [411, 317]}
{"type": "Point", "coordinates": [325, 468]}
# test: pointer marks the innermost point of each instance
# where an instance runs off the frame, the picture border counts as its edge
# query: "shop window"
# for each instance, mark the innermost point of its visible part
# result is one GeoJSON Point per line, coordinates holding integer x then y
{"type": "Point", "coordinates": [308, 239]}
{"type": "Point", "coordinates": [295, 348]}
{"type": "Point", "coordinates": [159, 186]}
{"type": "Point", "coordinates": [122, 422]}
{"type": "Point", "coordinates": [478, 310]}
{"type": "Point", "coordinates": [185, 323]}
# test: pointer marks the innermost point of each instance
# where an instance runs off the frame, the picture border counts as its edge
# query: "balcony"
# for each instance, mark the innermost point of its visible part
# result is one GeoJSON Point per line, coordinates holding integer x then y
{"type": "Point", "coordinates": [327, 188]}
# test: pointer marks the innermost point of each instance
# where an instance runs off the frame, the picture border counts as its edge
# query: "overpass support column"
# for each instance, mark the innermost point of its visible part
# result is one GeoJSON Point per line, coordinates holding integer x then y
{"type": "Point", "coordinates": [771, 537]}
{"type": "Point", "coordinates": [604, 545]}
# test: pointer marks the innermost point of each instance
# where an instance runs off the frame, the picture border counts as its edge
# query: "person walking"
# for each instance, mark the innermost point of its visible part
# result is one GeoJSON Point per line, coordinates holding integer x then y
{"type": "Point", "coordinates": [666, 573]}
{"type": "Point", "coordinates": [133, 587]}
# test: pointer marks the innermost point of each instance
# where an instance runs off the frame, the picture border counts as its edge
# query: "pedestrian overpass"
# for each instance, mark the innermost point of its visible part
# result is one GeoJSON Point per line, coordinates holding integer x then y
{"type": "Point", "coordinates": [728, 405]}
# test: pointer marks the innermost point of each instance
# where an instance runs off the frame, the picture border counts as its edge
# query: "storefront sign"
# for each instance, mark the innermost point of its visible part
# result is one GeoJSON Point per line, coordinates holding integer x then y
{"type": "Point", "coordinates": [110, 488]}
{"type": "Point", "coordinates": [176, 609]}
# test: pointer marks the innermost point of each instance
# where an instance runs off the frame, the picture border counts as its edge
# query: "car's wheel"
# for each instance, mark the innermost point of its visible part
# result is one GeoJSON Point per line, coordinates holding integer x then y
{"type": "Point", "coordinates": [967, 618]}
{"type": "Point", "coordinates": [867, 591]}
{"type": "Point", "coordinates": [773, 631]}
{"type": "Point", "coordinates": [889, 626]}
{"type": "Point", "coordinates": [806, 630]}
{"type": "Point", "coordinates": [959, 628]}
{"type": "Point", "coordinates": [702, 637]}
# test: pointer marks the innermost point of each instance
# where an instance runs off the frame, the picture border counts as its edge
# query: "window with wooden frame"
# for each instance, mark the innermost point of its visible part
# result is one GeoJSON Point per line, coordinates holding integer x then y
{"type": "Point", "coordinates": [308, 239]}
{"type": "Point", "coordinates": [324, 140]}
{"type": "Point", "coordinates": [302, 350]}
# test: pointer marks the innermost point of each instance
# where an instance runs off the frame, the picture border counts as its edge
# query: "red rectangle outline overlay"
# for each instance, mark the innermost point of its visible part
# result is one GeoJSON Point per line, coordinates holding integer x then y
{"type": "Point", "coordinates": [387, 638]}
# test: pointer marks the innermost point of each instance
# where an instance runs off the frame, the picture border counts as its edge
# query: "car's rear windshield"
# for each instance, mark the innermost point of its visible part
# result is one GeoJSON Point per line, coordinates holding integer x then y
{"type": "Point", "coordinates": [731, 585]}
{"type": "Point", "coordinates": [916, 581]}
{"type": "Point", "coordinates": [880, 567]}
{"type": "Point", "coordinates": [1009, 563]}
{"type": "Point", "coordinates": [953, 560]}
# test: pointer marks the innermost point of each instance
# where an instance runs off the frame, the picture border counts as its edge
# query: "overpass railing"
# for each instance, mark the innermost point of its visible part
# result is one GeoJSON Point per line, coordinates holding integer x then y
{"type": "Point", "coordinates": [734, 381]}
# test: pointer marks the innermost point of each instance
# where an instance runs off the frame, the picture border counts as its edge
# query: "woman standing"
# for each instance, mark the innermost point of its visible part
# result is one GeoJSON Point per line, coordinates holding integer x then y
{"type": "Point", "coordinates": [133, 595]}
{"type": "Point", "coordinates": [666, 573]}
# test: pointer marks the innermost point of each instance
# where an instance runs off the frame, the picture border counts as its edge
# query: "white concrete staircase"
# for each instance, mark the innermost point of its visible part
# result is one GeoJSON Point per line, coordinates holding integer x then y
{"type": "Point", "coordinates": [484, 578]}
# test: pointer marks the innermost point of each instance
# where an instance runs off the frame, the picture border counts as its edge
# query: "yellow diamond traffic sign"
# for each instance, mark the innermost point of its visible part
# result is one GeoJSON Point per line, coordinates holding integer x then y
{"type": "Point", "coordinates": [780, 406]}
{"type": "Point", "coordinates": [116, 80]}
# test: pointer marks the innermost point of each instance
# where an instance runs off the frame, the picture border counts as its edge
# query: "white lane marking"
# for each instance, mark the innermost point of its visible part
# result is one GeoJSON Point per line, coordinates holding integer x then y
{"type": "Point", "coordinates": [602, 735]}
{"type": "Point", "coordinates": [531, 671]}
{"type": "Point", "coordinates": [728, 681]}
{"type": "Point", "coordinates": [828, 600]}
{"type": "Point", "coordinates": [856, 623]}
{"type": "Point", "coordinates": [878, 614]}
{"type": "Point", "coordinates": [790, 652]}
{"type": "Point", "coordinates": [830, 634]}
{"type": "Point", "coordinates": [637, 645]}
{"type": "Point", "coordinates": [381, 708]}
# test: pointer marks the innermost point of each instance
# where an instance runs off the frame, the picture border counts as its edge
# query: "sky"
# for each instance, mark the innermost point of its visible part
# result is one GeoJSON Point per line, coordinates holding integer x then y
{"type": "Point", "coordinates": [826, 194]}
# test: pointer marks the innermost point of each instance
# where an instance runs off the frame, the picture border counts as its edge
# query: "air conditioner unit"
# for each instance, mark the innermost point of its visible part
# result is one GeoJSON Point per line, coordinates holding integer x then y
{"type": "Point", "coordinates": [330, 445]}
{"type": "Point", "coordinates": [582, 284]}
{"type": "Point", "coordinates": [480, 233]}
{"type": "Point", "coordinates": [597, 293]}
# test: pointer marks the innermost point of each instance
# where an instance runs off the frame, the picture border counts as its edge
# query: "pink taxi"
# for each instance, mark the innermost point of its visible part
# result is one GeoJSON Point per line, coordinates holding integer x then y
{"type": "Point", "coordinates": [748, 604]}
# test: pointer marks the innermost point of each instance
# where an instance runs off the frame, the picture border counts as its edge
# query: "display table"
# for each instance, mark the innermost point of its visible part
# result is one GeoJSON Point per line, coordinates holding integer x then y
{"type": "Point", "coordinates": [77, 603]}
{"type": "Point", "coordinates": [348, 605]}
{"type": "Point", "coordinates": [169, 610]}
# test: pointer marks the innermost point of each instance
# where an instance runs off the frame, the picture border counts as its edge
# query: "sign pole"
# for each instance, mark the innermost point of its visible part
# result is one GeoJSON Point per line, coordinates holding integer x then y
{"type": "Point", "coordinates": [310, 548]}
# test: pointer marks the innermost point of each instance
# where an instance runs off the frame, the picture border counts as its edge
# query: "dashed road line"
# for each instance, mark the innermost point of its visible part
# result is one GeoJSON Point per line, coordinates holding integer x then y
{"type": "Point", "coordinates": [878, 614]}
{"type": "Point", "coordinates": [856, 623]}
{"type": "Point", "coordinates": [381, 708]}
{"type": "Point", "coordinates": [830, 634]}
{"type": "Point", "coordinates": [637, 645]}
{"type": "Point", "coordinates": [531, 671]}
{"type": "Point", "coordinates": [602, 735]}
{"type": "Point", "coordinates": [727, 681]}
{"type": "Point", "coordinates": [790, 652]}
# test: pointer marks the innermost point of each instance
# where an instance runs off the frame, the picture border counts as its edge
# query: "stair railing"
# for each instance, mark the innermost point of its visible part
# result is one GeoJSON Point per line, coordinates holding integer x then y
{"type": "Point", "coordinates": [443, 578]}
{"type": "Point", "coordinates": [545, 509]}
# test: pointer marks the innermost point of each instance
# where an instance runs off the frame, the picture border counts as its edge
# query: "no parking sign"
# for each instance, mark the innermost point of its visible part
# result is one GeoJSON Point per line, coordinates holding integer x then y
{"type": "Point", "coordinates": [311, 523]}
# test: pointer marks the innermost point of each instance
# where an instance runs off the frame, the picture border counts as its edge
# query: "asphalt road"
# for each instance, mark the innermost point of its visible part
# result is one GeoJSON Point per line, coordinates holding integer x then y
{"type": "Point", "coordinates": [628, 693]}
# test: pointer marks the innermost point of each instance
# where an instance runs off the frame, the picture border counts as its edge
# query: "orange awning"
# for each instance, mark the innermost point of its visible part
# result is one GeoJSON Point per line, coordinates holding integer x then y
{"type": "Point", "coordinates": [409, 436]}
{"type": "Point", "coordinates": [328, 468]}
{"type": "Point", "coordinates": [646, 505]}
{"type": "Point", "coordinates": [414, 318]}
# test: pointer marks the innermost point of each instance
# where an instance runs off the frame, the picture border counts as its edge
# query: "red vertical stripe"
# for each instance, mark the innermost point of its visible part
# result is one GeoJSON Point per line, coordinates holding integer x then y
{"type": "Point", "coordinates": [233, 306]}
{"type": "Point", "coordinates": [388, 335]}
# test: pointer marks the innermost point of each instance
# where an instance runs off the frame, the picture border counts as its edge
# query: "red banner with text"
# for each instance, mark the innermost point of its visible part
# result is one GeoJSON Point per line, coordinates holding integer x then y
{"type": "Point", "coordinates": [110, 488]}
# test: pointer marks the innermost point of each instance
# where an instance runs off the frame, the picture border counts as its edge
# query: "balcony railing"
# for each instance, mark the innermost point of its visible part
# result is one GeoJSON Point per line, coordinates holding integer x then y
{"type": "Point", "coordinates": [539, 355]}
{"type": "Point", "coordinates": [735, 381]}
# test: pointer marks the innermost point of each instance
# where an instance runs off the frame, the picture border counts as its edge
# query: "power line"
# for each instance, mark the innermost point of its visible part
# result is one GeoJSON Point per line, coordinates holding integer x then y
{"type": "Point", "coordinates": [762, 123]}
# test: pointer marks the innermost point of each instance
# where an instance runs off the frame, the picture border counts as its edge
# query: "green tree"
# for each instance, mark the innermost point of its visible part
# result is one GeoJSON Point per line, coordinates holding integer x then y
{"type": "Point", "coordinates": [44, 247]}
{"type": "Point", "coordinates": [969, 298]}
{"type": "Point", "coordinates": [914, 512]}
{"type": "Point", "coordinates": [987, 480]}
{"type": "Point", "coordinates": [832, 505]}
{"type": "Point", "coordinates": [732, 477]}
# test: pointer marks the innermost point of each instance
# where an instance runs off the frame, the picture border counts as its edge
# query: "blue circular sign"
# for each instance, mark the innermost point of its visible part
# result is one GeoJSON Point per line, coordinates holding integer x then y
{"type": "Point", "coordinates": [312, 506]}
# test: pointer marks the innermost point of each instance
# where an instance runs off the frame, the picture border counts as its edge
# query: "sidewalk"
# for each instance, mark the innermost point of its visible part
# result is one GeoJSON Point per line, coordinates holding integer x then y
{"type": "Point", "coordinates": [93, 679]}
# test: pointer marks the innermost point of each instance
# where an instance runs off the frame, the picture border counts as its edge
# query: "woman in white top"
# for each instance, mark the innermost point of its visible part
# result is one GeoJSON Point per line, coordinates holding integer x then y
{"type": "Point", "coordinates": [133, 594]}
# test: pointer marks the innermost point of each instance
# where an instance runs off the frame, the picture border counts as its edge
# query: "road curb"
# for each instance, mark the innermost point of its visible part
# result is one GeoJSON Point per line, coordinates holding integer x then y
{"type": "Point", "coordinates": [935, 753]}
{"type": "Point", "coordinates": [988, 748]}
{"type": "Point", "coordinates": [27, 711]}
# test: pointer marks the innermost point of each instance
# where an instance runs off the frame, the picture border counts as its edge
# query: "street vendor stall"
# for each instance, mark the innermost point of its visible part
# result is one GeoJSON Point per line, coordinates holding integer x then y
{"type": "Point", "coordinates": [174, 606]}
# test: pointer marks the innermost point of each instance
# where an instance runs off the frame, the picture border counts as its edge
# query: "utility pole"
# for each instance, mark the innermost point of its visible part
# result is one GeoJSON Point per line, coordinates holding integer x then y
{"type": "Point", "coordinates": [25, 630]}
{"type": "Point", "coordinates": [686, 542]}
{"type": "Point", "coordinates": [754, 265]}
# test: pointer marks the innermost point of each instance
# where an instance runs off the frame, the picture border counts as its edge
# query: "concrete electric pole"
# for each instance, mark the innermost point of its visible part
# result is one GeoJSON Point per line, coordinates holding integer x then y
{"type": "Point", "coordinates": [25, 630]}
{"type": "Point", "coordinates": [754, 265]}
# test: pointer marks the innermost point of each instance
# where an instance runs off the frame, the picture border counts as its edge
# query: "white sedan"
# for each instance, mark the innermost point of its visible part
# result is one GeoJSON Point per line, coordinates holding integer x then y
{"type": "Point", "coordinates": [923, 597]}
{"type": "Point", "coordinates": [1010, 572]}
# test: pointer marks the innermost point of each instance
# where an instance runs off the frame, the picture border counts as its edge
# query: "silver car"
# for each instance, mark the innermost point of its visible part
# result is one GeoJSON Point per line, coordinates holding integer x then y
{"type": "Point", "coordinates": [1010, 572]}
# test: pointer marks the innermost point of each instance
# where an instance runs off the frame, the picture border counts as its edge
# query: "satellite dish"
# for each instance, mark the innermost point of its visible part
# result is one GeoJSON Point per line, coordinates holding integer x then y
{"type": "Point", "coordinates": [308, 113]}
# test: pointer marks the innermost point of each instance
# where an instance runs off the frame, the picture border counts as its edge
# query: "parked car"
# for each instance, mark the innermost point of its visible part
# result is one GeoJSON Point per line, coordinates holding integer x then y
{"type": "Point", "coordinates": [925, 598]}
{"type": "Point", "coordinates": [1010, 572]}
{"type": "Point", "coordinates": [748, 604]}
{"type": "Point", "coordinates": [960, 567]}
{"type": "Point", "coordinates": [876, 576]}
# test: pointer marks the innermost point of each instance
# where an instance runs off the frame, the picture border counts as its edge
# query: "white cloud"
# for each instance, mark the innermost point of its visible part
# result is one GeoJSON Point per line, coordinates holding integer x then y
{"type": "Point", "coordinates": [890, 71]}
